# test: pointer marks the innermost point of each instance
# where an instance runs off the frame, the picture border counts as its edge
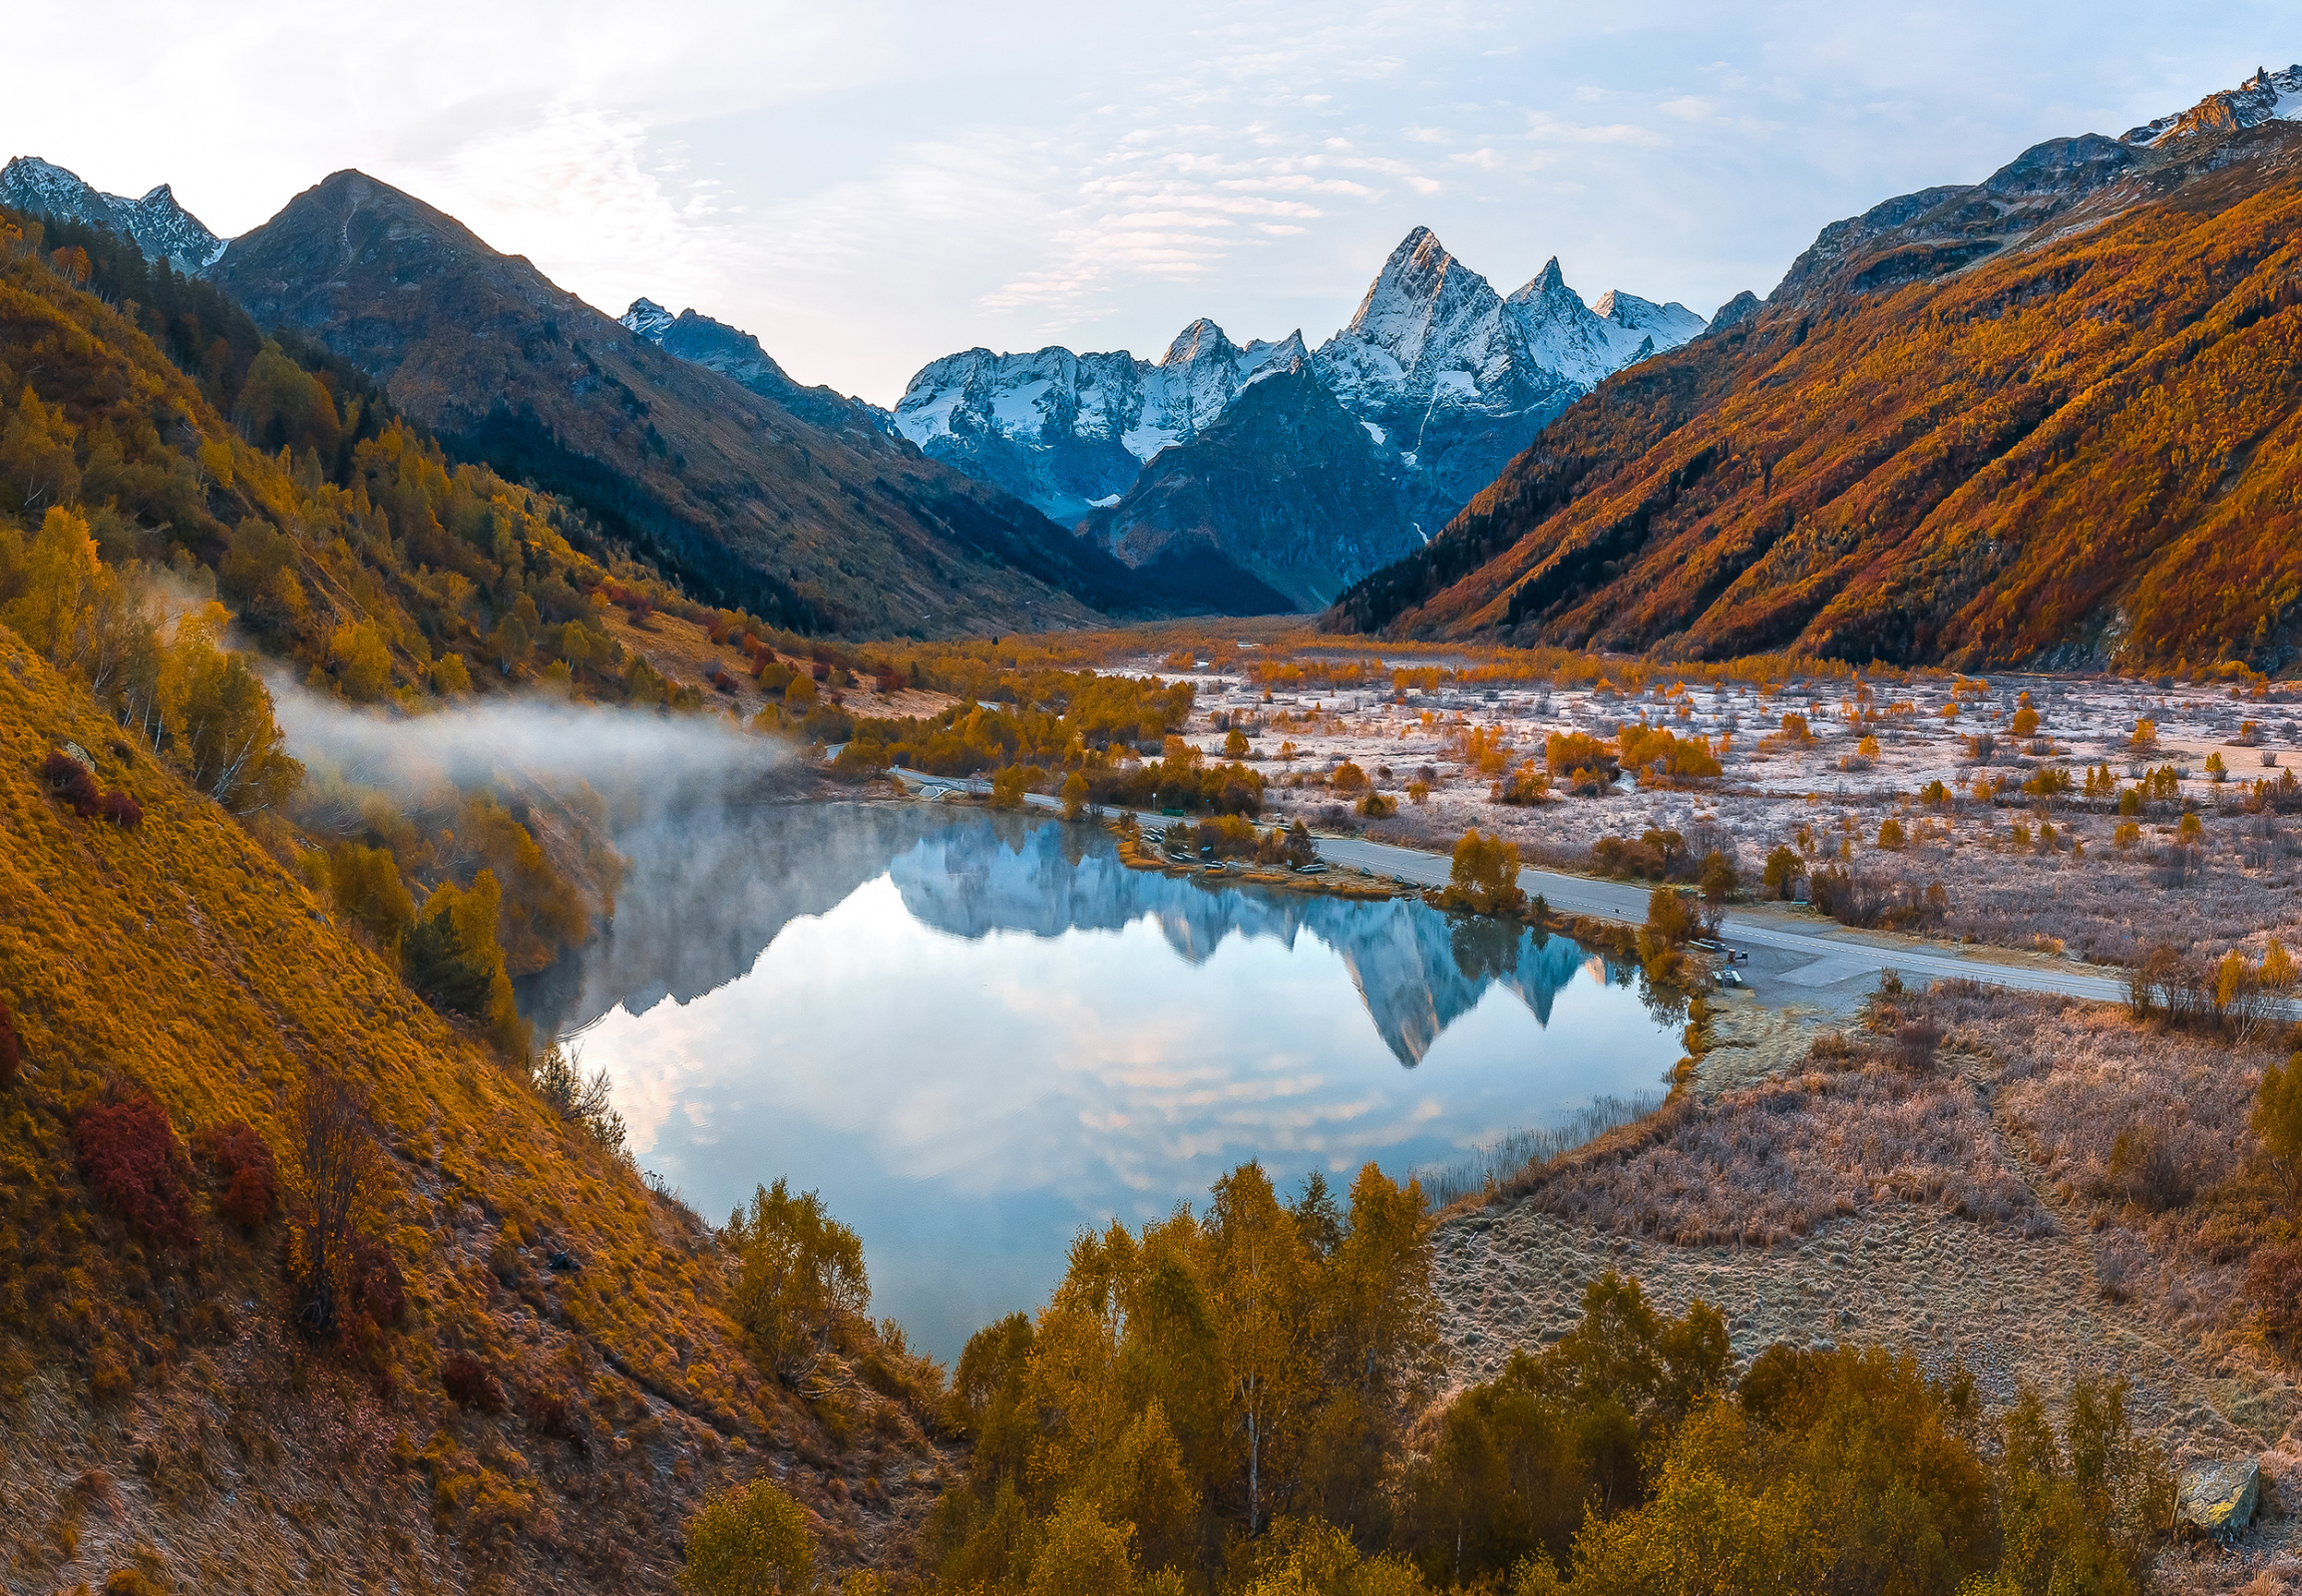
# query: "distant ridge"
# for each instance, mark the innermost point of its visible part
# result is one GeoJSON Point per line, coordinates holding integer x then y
{"type": "Point", "coordinates": [157, 223]}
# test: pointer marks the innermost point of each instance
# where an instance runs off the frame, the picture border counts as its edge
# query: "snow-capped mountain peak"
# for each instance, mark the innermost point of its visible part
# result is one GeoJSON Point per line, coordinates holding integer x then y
{"type": "Point", "coordinates": [159, 226]}
{"type": "Point", "coordinates": [2265, 97]}
{"type": "Point", "coordinates": [1447, 378]}
{"type": "Point", "coordinates": [648, 320]}
{"type": "Point", "coordinates": [1202, 340]}
{"type": "Point", "coordinates": [1423, 300]}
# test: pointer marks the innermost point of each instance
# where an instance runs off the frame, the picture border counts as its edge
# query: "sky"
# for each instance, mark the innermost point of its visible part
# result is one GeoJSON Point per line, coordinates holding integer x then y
{"type": "Point", "coordinates": [867, 186]}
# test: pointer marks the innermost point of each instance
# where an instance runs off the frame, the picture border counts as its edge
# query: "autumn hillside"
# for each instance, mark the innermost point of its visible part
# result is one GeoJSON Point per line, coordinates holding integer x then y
{"type": "Point", "coordinates": [746, 503]}
{"type": "Point", "coordinates": [2053, 418]}
{"type": "Point", "coordinates": [157, 1398]}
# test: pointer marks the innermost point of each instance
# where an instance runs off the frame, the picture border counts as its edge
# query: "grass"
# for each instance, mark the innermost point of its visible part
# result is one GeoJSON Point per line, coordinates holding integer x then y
{"type": "Point", "coordinates": [182, 960]}
{"type": "Point", "coordinates": [1492, 1167]}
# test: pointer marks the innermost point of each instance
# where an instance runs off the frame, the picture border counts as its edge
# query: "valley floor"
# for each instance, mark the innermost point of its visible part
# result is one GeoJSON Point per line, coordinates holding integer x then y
{"type": "Point", "coordinates": [2236, 886]}
{"type": "Point", "coordinates": [1963, 1211]}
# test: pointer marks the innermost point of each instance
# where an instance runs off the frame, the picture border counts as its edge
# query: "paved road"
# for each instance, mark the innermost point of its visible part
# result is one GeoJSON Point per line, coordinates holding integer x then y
{"type": "Point", "coordinates": [1792, 955]}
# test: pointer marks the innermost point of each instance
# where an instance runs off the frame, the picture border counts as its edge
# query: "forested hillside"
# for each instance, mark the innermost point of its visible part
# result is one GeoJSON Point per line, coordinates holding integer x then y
{"type": "Point", "coordinates": [740, 499]}
{"type": "Point", "coordinates": [2053, 418]}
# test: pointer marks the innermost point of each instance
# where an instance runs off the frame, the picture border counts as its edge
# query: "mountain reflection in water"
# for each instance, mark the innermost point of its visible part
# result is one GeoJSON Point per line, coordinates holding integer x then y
{"type": "Point", "coordinates": [975, 1033]}
{"type": "Point", "coordinates": [691, 919]}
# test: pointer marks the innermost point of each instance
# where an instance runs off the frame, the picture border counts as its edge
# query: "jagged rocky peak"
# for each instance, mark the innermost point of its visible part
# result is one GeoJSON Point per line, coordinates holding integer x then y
{"type": "Point", "coordinates": [1737, 310]}
{"type": "Point", "coordinates": [1202, 340]}
{"type": "Point", "coordinates": [2265, 97]}
{"type": "Point", "coordinates": [738, 356]}
{"type": "Point", "coordinates": [648, 320]}
{"type": "Point", "coordinates": [157, 223]}
{"type": "Point", "coordinates": [1422, 300]}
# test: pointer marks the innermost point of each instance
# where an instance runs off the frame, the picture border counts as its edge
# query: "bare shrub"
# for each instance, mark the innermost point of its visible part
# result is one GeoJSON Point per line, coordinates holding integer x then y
{"type": "Point", "coordinates": [2178, 866]}
{"type": "Point", "coordinates": [1915, 1043]}
{"type": "Point", "coordinates": [470, 1384]}
{"type": "Point", "coordinates": [2120, 1260]}
{"type": "Point", "coordinates": [1853, 899]}
{"type": "Point", "coordinates": [11, 1050]}
{"type": "Point", "coordinates": [2274, 1286]}
{"type": "Point", "coordinates": [333, 1174]}
{"type": "Point", "coordinates": [71, 780]}
{"type": "Point", "coordinates": [248, 1172]}
{"type": "Point", "coordinates": [2145, 1169]}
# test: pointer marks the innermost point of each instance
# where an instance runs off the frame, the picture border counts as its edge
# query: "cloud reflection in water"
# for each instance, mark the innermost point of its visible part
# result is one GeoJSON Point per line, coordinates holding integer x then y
{"type": "Point", "coordinates": [975, 1033]}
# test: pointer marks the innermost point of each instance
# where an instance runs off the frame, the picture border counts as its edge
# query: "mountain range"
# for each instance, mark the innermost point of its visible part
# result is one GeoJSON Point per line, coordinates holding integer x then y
{"type": "Point", "coordinates": [1447, 378]}
{"type": "Point", "coordinates": [806, 513]}
{"type": "Point", "coordinates": [159, 226]}
{"type": "Point", "coordinates": [2054, 418]}
{"type": "Point", "coordinates": [2046, 417]}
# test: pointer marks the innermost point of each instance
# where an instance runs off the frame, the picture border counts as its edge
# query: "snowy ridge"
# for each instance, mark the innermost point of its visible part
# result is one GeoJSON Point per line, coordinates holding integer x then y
{"type": "Point", "coordinates": [1449, 377]}
{"type": "Point", "coordinates": [2265, 97]}
{"type": "Point", "coordinates": [157, 223]}
{"type": "Point", "coordinates": [1054, 394]}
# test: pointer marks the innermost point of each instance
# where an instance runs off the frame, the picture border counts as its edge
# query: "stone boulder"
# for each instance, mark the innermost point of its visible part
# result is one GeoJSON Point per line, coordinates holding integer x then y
{"type": "Point", "coordinates": [2218, 1498]}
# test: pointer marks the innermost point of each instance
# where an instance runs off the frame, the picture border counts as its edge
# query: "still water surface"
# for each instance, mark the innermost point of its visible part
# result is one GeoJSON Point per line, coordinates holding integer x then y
{"type": "Point", "coordinates": [974, 1033]}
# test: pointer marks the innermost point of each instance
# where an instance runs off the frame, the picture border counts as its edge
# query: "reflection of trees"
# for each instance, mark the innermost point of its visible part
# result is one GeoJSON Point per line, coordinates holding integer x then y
{"type": "Point", "coordinates": [1666, 1004]}
{"type": "Point", "coordinates": [1486, 949]}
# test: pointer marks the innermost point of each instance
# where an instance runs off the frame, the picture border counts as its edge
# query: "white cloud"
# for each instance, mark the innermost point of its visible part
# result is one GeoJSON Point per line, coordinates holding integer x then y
{"type": "Point", "coordinates": [870, 185]}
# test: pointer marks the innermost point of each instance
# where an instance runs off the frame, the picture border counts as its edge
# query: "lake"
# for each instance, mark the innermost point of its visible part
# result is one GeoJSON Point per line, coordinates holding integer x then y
{"type": "Point", "coordinates": [977, 1033]}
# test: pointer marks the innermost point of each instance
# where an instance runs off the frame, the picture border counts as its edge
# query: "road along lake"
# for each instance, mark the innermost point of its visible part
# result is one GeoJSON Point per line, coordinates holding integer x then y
{"type": "Point", "coordinates": [976, 1032]}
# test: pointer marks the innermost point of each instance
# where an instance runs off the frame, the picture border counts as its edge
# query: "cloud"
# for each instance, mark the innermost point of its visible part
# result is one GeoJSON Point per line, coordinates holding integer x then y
{"type": "Point", "coordinates": [870, 185]}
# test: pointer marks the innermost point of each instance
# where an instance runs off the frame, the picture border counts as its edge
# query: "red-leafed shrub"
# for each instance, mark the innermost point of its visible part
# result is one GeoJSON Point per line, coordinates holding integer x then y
{"type": "Point", "coordinates": [130, 1157]}
{"type": "Point", "coordinates": [379, 1291]}
{"type": "Point", "coordinates": [11, 1055]}
{"type": "Point", "coordinates": [470, 1384]}
{"type": "Point", "coordinates": [250, 1173]}
{"type": "Point", "coordinates": [122, 810]}
{"type": "Point", "coordinates": [549, 1413]}
{"type": "Point", "coordinates": [71, 781]}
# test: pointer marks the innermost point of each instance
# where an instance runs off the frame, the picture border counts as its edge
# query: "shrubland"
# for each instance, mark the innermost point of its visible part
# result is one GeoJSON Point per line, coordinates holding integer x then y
{"type": "Point", "coordinates": [1237, 1401]}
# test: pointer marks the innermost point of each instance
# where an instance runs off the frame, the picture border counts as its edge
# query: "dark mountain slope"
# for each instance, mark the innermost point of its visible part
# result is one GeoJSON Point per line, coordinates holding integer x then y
{"type": "Point", "coordinates": [737, 355]}
{"type": "Point", "coordinates": [1285, 486]}
{"type": "Point", "coordinates": [2054, 416]}
{"type": "Point", "coordinates": [747, 504]}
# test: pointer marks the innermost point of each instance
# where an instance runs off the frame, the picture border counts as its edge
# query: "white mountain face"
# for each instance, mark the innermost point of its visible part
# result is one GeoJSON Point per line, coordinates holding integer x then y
{"type": "Point", "coordinates": [1142, 405]}
{"type": "Point", "coordinates": [1443, 372]}
{"type": "Point", "coordinates": [648, 320]}
{"type": "Point", "coordinates": [157, 223]}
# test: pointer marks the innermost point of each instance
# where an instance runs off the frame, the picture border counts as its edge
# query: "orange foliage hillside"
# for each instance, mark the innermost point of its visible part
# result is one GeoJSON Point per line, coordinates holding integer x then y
{"type": "Point", "coordinates": [2085, 449]}
{"type": "Point", "coordinates": [161, 1408]}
